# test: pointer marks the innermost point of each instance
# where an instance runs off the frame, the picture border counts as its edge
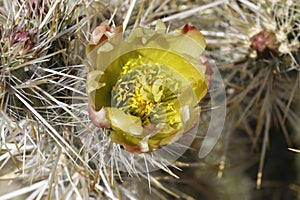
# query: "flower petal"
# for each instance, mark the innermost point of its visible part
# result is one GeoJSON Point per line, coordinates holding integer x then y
{"type": "Point", "coordinates": [125, 122]}
{"type": "Point", "coordinates": [100, 34]}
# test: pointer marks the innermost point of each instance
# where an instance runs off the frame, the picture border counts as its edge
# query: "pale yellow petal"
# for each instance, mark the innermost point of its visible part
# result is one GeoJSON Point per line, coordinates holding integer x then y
{"type": "Point", "coordinates": [125, 122]}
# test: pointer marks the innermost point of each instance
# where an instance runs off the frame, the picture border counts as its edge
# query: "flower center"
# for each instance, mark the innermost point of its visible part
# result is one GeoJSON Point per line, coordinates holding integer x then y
{"type": "Point", "coordinates": [149, 91]}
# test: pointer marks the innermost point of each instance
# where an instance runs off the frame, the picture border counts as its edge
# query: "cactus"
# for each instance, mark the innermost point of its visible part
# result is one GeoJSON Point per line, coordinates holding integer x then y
{"type": "Point", "coordinates": [51, 146]}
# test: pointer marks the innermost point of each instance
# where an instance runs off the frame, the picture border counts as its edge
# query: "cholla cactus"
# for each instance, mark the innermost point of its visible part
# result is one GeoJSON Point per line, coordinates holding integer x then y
{"type": "Point", "coordinates": [50, 149]}
{"type": "Point", "coordinates": [43, 107]}
{"type": "Point", "coordinates": [260, 65]}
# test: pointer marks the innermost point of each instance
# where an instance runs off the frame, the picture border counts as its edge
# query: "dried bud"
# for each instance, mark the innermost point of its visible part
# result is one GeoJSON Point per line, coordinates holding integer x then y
{"type": "Point", "coordinates": [22, 37]}
{"type": "Point", "coordinates": [264, 43]}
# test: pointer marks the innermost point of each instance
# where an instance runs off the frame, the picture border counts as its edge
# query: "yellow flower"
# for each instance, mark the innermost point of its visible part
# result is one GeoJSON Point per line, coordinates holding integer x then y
{"type": "Point", "coordinates": [145, 89]}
